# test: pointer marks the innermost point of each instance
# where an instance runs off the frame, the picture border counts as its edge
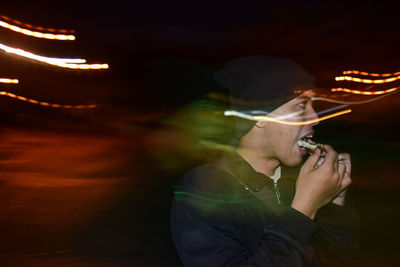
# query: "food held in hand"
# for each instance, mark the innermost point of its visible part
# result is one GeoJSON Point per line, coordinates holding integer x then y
{"type": "Point", "coordinates": [309, 146]}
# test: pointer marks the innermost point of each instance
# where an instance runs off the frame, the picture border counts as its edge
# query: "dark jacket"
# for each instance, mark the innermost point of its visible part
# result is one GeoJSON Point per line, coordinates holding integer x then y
{"type": "Point", "coordinates": [217, 221]}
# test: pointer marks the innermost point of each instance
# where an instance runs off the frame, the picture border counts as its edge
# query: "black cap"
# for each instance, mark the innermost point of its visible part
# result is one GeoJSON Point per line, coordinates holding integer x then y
{"type": "Point", "coordinates": [261, 82]}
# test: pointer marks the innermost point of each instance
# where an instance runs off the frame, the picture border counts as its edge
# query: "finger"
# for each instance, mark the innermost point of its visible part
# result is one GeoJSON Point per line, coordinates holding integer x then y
{"type": "Point", "coordinates": [341, 170]}
{"type": "Point", "coordinates": [319, 162]}
{"type": "Point", "coordinates": [345, 158]}
{"type": "Point", "coordinates": [342, 192]}
{"type": "Point", "coordinates": [346, 181]}
{"type": "Point", "coordinates": [312, 160]}
{"type": "Point", "coordinates": [331, 156]}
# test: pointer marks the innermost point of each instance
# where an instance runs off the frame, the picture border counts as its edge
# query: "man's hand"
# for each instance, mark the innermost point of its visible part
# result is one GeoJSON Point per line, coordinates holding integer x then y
{"type": "Point", "coordinates": [344, 158]}
{"type": "Point", "coordinates": [319, 182]}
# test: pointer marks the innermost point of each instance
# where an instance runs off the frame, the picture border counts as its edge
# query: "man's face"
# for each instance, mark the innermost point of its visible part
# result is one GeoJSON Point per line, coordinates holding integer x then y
{"type": "Point", "coordinates": [280, 140]}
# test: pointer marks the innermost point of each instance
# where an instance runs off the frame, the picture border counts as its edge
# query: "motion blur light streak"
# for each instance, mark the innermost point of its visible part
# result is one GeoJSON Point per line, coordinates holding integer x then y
{"type": "Point", "coordinates": [81, 66]}
{"type": "Point", "coordinates": [5, 80]}
{"type": "Point", "coordinates": [238, 114]}
{"type": "Point", "coordinates": [49, 60]}
{"type": "Point", "coordinates": [248, 114]}
{"type": "Point", "coordinates": [215, 145]}
{"type": "Point", "coordinates": [358, 80]}
{"type": "Point", "coordinates": [266, 118]}
{"type": "Point", "coordinates": [39, 28]}
{"type": "Point", "coordinates": [52, 36]}
{"type": "Point", "coordinates": [330, 109]}
{"type": "Point", "coordinates": [60, 62]}
{"type": "Point", "coordinates": [358, 92]}
{"type": "Point", "coordinates": [370, 73]}
{"type": "Point", "coordinates": [304, 122]}
{"type": "Point", "coordinates": [319, 98]}
{"type": "Point", "coordinates": [41, 103]}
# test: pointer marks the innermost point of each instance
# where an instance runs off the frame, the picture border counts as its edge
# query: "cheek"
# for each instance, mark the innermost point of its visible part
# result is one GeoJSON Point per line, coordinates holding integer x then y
{"type": "Point", "coordinates": [287, 134]}
{"type": "Point", "coordinates": [292, 135]}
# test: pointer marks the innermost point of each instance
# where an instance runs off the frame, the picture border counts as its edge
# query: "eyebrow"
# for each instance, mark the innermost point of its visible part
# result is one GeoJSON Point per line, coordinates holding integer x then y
{"type": "Point", "coordinates": [304, 97]}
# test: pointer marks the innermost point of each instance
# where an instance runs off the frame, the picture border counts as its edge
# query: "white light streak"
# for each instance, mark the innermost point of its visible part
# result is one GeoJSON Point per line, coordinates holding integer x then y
{"type": "Point", "coordinates": [6, 80]}
{"type": "Point", "coordinates": [71, 63]}
{"type": "Point", "coordinates": [266, 118]}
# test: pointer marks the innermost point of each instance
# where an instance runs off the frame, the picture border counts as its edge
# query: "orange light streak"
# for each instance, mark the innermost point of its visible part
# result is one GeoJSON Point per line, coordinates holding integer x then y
{"type": "Point", "coordinates": [70, 63]}
{"type": "Point", "coordinates": [266, 118]}
{"type": "Point", "coordinates": [52, 36]}
{"type": "Point", "coordinates": [39, 28]}
{"type": "Point", "coordinates": [358, 80]}
{"type": "Point", "coordinates": [81, 66]}
{"type": "Point", "coordinates": [41, 103]}
{"type": "Point", "coordinates": [5, 80]}
{"type": "Point", "coordinates": [358, 92]}
{"type": "Point", "coordinates": [370, 73]}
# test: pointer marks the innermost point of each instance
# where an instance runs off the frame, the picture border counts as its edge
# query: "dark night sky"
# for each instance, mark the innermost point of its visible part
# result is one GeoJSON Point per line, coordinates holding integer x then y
{"type": "Point", "coordinates": [156, 48]}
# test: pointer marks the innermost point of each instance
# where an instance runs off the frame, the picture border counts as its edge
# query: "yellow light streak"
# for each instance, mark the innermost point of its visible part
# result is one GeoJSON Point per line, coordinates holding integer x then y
{"type": "Point", "coordinates": [71, 63]}
{"type": "Point", "coordinates": [370, 73]}
{"type": "Point", "coordinates": [358, 92]}
{"type": "Point", "coordinates": [52, 36]}
{"type": "Point", "coordinates": [266, 118]}
{"type": "Point", "coordinates": [41, 103]}
{"type": "Point", "coordinates": [5, 80]}
{"type": "Point", "coordinates": [358, 80]}
{"type": "Point", "coordinates": [81, 66]}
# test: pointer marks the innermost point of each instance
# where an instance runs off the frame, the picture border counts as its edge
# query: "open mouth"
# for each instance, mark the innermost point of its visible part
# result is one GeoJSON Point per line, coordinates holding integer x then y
{"type": "Point", "coordinates": [307, 144]}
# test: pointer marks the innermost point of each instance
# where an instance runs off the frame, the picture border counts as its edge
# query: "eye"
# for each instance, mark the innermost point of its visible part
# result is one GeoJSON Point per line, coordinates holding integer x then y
{"type": "Point", "coordinates": [302, 105]}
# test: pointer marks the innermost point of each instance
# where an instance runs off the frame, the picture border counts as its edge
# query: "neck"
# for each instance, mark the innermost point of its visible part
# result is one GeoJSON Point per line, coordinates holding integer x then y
{"type": "Point", "coordinates": [259, 161]}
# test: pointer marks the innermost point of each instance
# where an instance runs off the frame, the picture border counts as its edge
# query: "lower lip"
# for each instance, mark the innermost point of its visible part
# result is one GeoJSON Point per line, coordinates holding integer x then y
{"type": "Point", "coordinates": [303, 151]}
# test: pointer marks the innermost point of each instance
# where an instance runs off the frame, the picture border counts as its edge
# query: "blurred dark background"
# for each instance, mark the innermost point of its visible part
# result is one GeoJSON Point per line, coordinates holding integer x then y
{"type": "Point", "coordinates": [93, 187]}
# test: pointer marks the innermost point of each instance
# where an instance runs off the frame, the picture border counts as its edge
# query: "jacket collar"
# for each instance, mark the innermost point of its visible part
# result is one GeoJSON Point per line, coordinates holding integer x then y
{"type": "Point", "coordinates": [245, 173]}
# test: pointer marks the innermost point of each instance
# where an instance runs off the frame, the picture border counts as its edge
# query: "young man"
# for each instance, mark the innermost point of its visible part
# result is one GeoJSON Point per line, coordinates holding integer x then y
{"type": "Point", "coordinates": [239, 211]}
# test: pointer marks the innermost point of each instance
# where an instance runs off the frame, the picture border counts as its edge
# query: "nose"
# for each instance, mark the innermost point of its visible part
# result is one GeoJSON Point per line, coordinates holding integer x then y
{"type": "Point", "coordinates": [313, 116]}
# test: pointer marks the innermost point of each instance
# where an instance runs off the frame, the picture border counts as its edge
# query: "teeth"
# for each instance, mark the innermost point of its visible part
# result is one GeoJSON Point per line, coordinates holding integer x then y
{"type": "Point", "coordinates": [310, 136]}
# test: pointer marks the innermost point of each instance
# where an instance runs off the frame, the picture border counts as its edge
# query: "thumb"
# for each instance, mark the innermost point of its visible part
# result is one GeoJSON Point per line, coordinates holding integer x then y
{"type": "Point", "coordinates": [312, 160]}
